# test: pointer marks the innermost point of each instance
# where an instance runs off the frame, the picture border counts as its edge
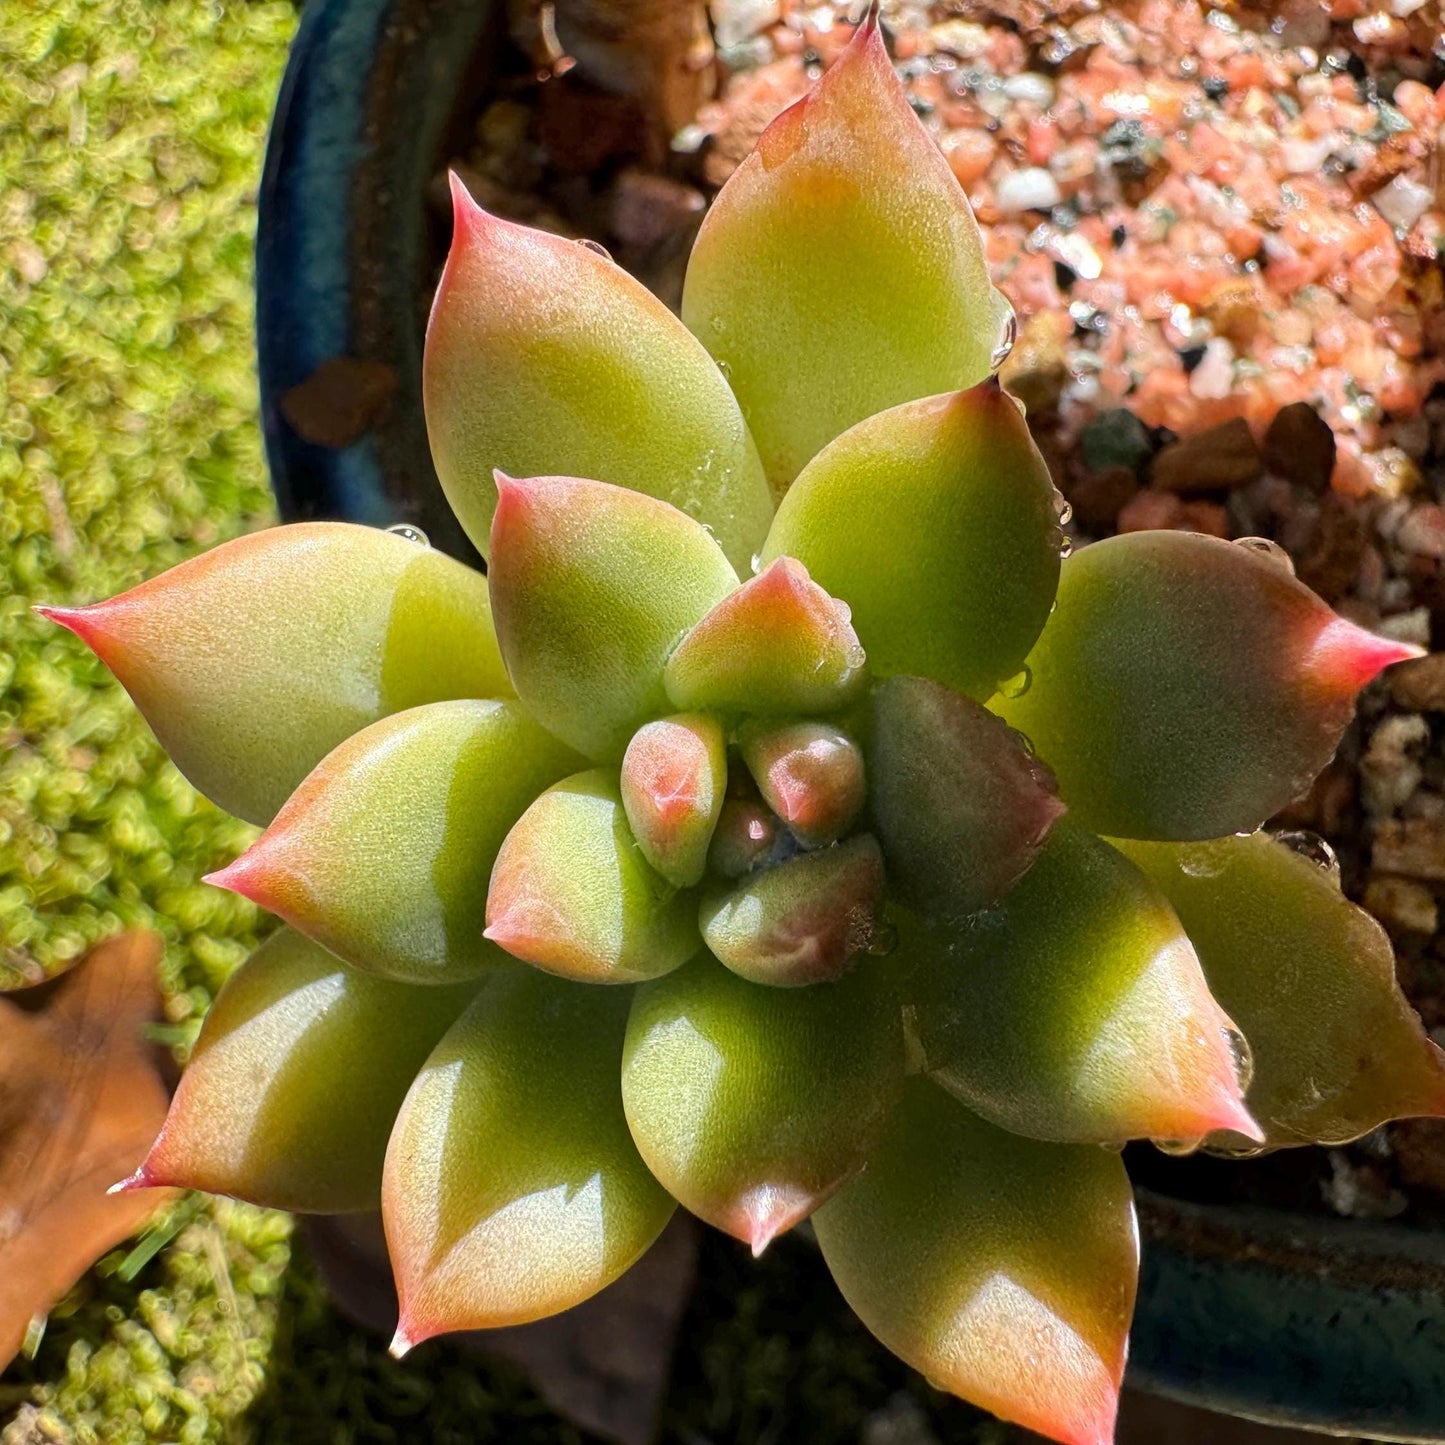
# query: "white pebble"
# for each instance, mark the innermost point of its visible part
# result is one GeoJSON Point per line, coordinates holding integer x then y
{"type": "Point", "coordinates": [1212, 379]}
{"type": "Point", "coordinates": [1033, 189]}
{"type": "Point", "coordinates": [1403, 202]}
{"type": "Point", "coordinates": [1030, 86]}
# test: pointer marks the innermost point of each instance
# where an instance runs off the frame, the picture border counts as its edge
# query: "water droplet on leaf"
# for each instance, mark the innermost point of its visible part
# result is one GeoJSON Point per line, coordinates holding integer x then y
{"type": "Point", "coordinates": [726, 370]}
{"type": "Point", "coordinates": [1270, 551]}
{"type": "Point", "coordinates": [410, 533]}
{"type": "Point", "coordinates": [1242, 1055]}
{"type": "Point", "coordinates": [1312, 847]}
{"type": "Point", "coordinates": [1017, 685]}
{"type": "Point", "coordinates": [1063, 509]}
{"type": "Point", "coordinates": [1006, 340]}
{"type": "Point", "coordinates": [1177, 1147]}
{"type": "Point", "coordinates": [587, 243]}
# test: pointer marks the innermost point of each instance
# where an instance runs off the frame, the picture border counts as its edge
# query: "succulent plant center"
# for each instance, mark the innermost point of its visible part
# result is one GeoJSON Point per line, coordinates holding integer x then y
{"type": "Point", "coordinates": [786, 825]}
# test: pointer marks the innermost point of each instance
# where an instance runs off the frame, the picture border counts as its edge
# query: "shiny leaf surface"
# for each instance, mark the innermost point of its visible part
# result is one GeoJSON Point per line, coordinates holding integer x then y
{"type": "Point", "coordinates": [1002, 1269]}
{"type": "Point", "coordinates": [752, 1105]}
{"type": "Point", "coordinates": [255, 659]}
{"type": "Point", "coordinates": [383, 853]}
{"type": "Point", "coordinates": [840, 270]}
{"type": "Point", "coordinates": [512, 1188]}
{"type": "Point", "coordinates": [673, 777]}
{"type": "Point", "coordinates": [296, 1079]}
{"type": "Point", "coordinates": [802, 921]}
{"type": "Point", "coordinates": [777, 644]}
{"type": "Point", "coordinates": [935, 523]}
{"type": "Point", "coordinates": [545, 358]}
{"type": "Point", "coordinates": [1076, 1010]}
{"type": "Point", "coordinates": [1310, 978]}
{"type": "Point", "coordinates": [810, 774]}
{"type": "Point", "coordinates": [592, 587]}
{"type": "Point", "coordinates": [961, 806]}
{"type": "Point", "coordinates": [573, 894]}
{"type": "Point", "coordinates": [1187, 687]}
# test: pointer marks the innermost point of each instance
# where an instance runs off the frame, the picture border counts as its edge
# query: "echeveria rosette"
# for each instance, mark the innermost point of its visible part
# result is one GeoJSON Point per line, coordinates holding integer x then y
{"type": "Point", "coordinates": [860, 860]}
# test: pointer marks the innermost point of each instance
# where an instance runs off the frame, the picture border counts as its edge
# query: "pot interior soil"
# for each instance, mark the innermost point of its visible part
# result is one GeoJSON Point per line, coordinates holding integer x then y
{"type": "Point", "coordinates": [1222, 233]}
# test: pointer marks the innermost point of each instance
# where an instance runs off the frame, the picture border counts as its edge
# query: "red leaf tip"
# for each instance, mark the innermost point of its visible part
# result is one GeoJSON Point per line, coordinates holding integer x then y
{"type": "Point", "coordinates": [246, 876]}
{"type": "Point", "coordinates": [465, 210]}
{"type": "Point", "coordinates": [84, 622]}
{"type": "Point", "coordinates": [1344, 657]}
{"type": "Point", "coordinates": [143, 1178]}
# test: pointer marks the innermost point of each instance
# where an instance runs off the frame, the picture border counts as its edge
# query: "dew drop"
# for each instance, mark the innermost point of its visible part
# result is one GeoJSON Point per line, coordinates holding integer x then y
{"type": "Point", "coordinates": [1025, 742]}
{"type": "Point", "coordinates": [1066, 547]}
{"type": "Point", "coordinates": [1242, 1054]}
{"type": "Point", "coordinates": [756, 563]}
{"type": "Point", "coordinates": [1017, 685]}
{"type": "Point", "coordinates": [409, 533]}
{"type": "Point", "coordinates": [1063, 509]}
{"type": "Point", "coordinates": [727, 371]}
{"type": "Point", "coordinates": [1313, 848]}
{"type": "Point", "coordinates": [596, 247]}
{"type": "Point", "coordinates": [1270, 551]}
{"type": "Point", "coordinates": [1177, 1147]}
{"type": "Point", "coordinates": [1006, 340]}
{"type": "Point", "coordinates": [1227, 1148]}
{"type": "Point", "coordinates": [1200, 860]}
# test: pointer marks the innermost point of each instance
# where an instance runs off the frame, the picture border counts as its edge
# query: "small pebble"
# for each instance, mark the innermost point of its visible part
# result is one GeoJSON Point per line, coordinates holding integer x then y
{"type": "Point", "coordinates": [1411, 847]}
{"type": "Point", "coordinates": [1224, 456]}
{"type": "Point", "coordinates": [1033, 189]}
{"type": "Point", "coordinates": [1300, 447]}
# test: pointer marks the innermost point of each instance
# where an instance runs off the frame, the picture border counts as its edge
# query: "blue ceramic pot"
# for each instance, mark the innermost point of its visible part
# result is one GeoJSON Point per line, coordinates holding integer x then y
{"type": "Point", "coordinates": [1286, 1318]}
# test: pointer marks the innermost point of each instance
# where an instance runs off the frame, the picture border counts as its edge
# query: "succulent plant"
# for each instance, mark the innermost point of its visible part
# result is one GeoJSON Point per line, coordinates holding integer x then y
{"type": "Point", "coordinates": [785, 825]}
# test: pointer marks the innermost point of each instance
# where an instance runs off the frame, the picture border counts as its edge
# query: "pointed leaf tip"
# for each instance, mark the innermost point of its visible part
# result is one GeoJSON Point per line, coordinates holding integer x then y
{"type": "Point", "coordinates": [843, 183]}
{"type": "Point", "coordinates": [1345, 657]}
{"type": "Point", "coordinates": [762, 1214]}
{"type": "Point", "coordinates": [220, 653]}
{"type": "Point", "coordinates": [591, 587]}
{"type": "Point", "coordinates": [82, 621]}
{"type": "Point", "coordinates": [585, 373]}
{"type": "Point", "coordinates": [777, 644]}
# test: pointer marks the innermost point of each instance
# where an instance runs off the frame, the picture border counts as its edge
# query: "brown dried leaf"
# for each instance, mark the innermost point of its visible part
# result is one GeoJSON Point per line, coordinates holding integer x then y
{"type": "Point", "coordinates": [80, 1104]}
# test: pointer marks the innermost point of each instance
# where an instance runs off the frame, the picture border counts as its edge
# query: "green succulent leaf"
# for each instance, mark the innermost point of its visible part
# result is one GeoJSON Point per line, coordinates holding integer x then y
{"type": "Point", "coordinates": [383, 853]}
{"type": "Point", "coordinates": [1187, 687]}
{"type": "Point", "coordinates": [513, 1189]}
{"type": "Point", "coordinates": [1310, 978]}
{"type": "Point", "coordinates": [810, 774]}
{"type": "Point", "coordinates": [935, 522]}
{"type": "Point", "coordinates": [572, 892]}
{"type": "Point", "coordinates": [1076, 1010]}
{"type": "Point", "coordinates": [296, 1079]}
{"type": "Point", "coordinates": [802, 921]}
{"type": "Point", "coordinates": [544, 358]}
{"type": "Point", "coordinates": [674, 775]}
{"type": "Point", "coordinates": [752, 1105]}
{"type": "Point", "coordinates": [221, 653]}
{"type": "Point", "coordinates": [778, 644]}
{"type": "Point", "coordinates": [960, 804]}
{"type": "Point", "coordinates": [1002, 1269]}
{"type": "Point", "coordinates": [840, 270]}
{"type": "Point", "coordinates": [592, 587]}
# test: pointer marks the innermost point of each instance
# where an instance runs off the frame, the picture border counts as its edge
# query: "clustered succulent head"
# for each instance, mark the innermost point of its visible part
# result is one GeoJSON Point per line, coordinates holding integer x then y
{"type": "Point", "coordinates": [785, 825]}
